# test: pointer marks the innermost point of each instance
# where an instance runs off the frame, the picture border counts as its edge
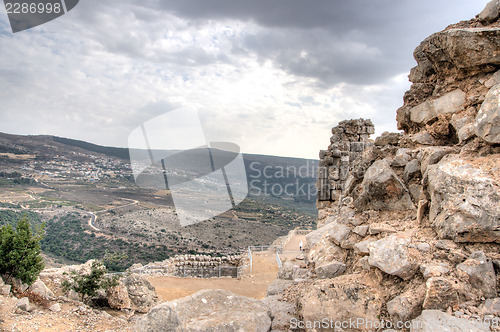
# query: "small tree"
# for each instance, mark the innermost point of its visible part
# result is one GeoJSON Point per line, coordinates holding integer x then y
{"type": "Point", "coordinates": [88, 284]}
{"type": "Point", "coordinates": [20, 251]}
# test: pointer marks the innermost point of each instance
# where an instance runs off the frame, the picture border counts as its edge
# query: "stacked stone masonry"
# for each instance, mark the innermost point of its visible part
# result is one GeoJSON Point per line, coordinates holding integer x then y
{"type": "Point", "coordinates": [348, 141]}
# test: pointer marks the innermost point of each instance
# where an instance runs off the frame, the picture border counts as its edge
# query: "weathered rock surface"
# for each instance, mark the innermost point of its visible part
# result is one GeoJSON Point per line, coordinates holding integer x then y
{"type": "Point", "coordinates": [39, 288]}
{"type": "Point", "coordinates": [435, 320]}
{"type": "Point", "coordinates": [451, 102]}
{"type": "Point", "coordinates": [282, 313]}
{"type": "Point", "coordinates": [339, 299]}
{"type": "Point", "coordinates": [278, 286]}
{"type": "Point", "coordinates": [465, 201]}
{"type": "Point", "coordinates": [487, 124]}
{"type": "Point", "coordinates": [392, 255]}
{"type": "Point", "coordinates": [481, 274]}
{"type": "Point", "coordinates": [383, 189]}
{"type": "Point", "coordinates": [208, 310]}
{"type": "Point", "coordinates": [141, 293]}
{"type": "Point", "coordinates": [330, 270]}
{"type": "Point", "coordinates": [491, 306]}
{"type": "Point", "coordinates": [491, 12]}
{"type": "Point", "coordinates": [407, 305]}
{"type": "Point", "coordinates": [291, 270]}
{"type": "Point", "coordinates": [440, 294]}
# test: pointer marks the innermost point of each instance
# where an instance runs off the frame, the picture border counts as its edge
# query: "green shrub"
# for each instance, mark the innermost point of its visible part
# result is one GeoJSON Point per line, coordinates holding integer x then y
{"type": "Point", "coordinates": [20, 251]}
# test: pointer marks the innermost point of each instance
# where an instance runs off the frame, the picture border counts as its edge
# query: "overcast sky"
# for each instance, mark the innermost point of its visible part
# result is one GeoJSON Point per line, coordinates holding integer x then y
{"type": "Point", "coordinates": [272, 76]}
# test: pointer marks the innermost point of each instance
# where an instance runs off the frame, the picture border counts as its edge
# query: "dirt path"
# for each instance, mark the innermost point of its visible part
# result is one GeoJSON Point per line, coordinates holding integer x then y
{"type": "Point", "coordinates": [264, 272]}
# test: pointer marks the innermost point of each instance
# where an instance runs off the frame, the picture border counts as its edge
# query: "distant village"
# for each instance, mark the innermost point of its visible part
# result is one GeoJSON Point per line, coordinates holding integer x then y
{"type": "Point", "coordinates": [63, 168]}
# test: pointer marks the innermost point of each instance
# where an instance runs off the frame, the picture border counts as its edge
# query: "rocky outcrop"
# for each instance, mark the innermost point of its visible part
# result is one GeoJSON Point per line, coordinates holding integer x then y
{"type": "Point", "coordinates": [410, 223]}
{"type": "Point", "coordinates": [132, 292]}
{"type": "Point", "coordinates": [208, 310]}
{"type": "Point", "coordinates": [465, 199]}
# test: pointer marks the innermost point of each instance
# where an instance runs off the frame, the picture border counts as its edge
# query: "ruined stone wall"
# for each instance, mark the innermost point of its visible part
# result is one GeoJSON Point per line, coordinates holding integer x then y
{"type": "Point", "coordinates": [348, 141]}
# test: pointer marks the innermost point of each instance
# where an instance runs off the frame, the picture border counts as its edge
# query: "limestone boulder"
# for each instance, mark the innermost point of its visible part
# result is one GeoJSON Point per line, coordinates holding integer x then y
{"type": "Point", "coordinates": [39, 288]}
{"type": "Point", "coordinates": [207, 310]}
{"type": "Point", "coordinates": [481, 274]}
{"type": "Point", "coordinates": [291, 270]}
{"type": "Point", "coordinates": [393, 255]}
{"type": "Point", "coordinates": [487, 124]}
{"type": "Point", "coordinates": [339, 299]}
{"type": "Point", "coordinates": [408, 305]}
{"type": "Point", "coordinates": [330, 270]}
{"type": "Point", "coordinates": [491, 12]}
{"type": "Point", "coordinates": [141, 293]}
{"type": "Point", "coordinates": [491, 307]}
{"type": "Point", "coordinates": [382, 189]}
{"type": "Point", "coordinates": [452, 102]}
{"type": "Point", "coordinates": [440, 294]}
{"type": "Point", "coordinates": [465, 199]}
{"type": "Point", "coordinates": [117, 297]}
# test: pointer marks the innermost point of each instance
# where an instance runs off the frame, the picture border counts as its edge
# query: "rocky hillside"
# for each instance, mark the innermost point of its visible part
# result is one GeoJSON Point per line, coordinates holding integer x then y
{"type": "Point", "coordinates": [408, 233]}
{"type": "Point", "coordinates": [409, 225]}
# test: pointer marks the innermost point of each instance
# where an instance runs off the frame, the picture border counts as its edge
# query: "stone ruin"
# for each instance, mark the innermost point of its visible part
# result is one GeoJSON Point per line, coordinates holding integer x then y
{"type": "Point", "coordinates": [349, 140]}
{"type": "Point", "coordinates": [204, 266]}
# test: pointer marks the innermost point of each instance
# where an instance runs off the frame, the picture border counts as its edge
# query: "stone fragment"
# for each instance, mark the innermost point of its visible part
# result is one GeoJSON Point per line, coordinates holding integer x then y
{"type": "Point", "coordinates": [361, 230]}
{"type": "Point", "coordinates": [383, 189]}
{"type": "Point", "coordinates": [388, 139]}
{"type": "Point", "coordinates": [330, 270]}
{"type": "Point", "coordinates": [451, 102]}
{"type": "Point", "coordinates": [339, 299]}
{"type": "Point", "coordinates": [56, 307]}
{"type": "Point", "coordinates": [24, 304]}
{"type": "Point", "coordinates": [411, 170]}
{"type": "Point", "coordinates": [487, 124]}
{"type": "Point", "coordinates": [407, 305]}
{"type": "Point", "coordinates": [464, 203]}
{"type": "Point", "coordinates": [434, 270]}
{"type": "Point", "coordinates": [491, 12]}
{"type": "Point", "coordinates": [481, 274]}
{"type": "Point", "coordinates": [377, 228]}
{"type": "Point", "coordinates": [491, 307]}
{"type": "Point", "coordinates": [391, 255]}
{"type": "Point", "coordinates": [281, 313]}
{"type": "Point", "coordinates": [493, 80]}
{"type": "Point", "coordinates": [440, 294]}
{"type": "Point", "coordinates": [39, 288]}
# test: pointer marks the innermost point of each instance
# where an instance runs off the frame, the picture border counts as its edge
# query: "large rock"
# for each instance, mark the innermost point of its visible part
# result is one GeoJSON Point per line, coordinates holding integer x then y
{"type": "Point", "coordinates": [207, 310]}
{"type": "Point", "coordinates": [491, 12]}
{"type": "Point", "coordinates": [324, 251]}
{"type": "Point", "coordinates": [481, 274]}
{"type": "Point", "coordinates": [291, 270]}
{"type": "Point", "coordinates": [141, 293]}
{"type": "Point", "coordinates": [440, 294]}
{"type": "Point", "coordinates": [465, 48]}
{"type": "Point", "coordinates": [465, 200]}
{"type": "Point", "coordinates": [382, 189]}
{"type": "Point", "coordinates": [340, 299]}
{"type": "Point", "coordinates": [117, 297]}
{"type": "Point", "coordinates": [487, 124]}
{"type": "Point", "coordinates": [392, 255]}
{"type": "Point", "coordinates": [451, 102]}
{"type": "Point", "coordinates": [407, 305]}
{"type": "Point", "coordinates": [24, 304]}
{"type": "Point", "coordinates": [39, 288]}
{"type": "Point", "coordinates": [435, 320]}
{"type": "Point", "coordinates": [330, 270]}
{"type": "Point", "coordinates": [432, 155]}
